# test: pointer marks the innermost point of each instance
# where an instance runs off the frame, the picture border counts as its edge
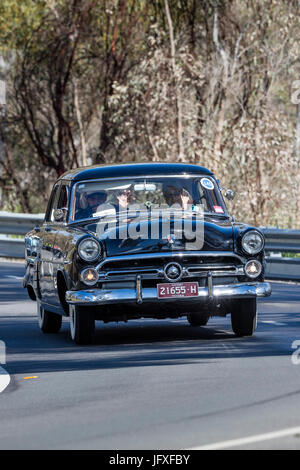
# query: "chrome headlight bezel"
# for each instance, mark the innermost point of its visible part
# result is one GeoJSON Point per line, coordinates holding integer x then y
{"type": "Point", "coordinates": [258, 265]}
{"type": "Point", "coordinates": [95, 254]}
{"type": "Point", "coordinates": [246, 240]}
{"type": "Point", "coordinates": [92, 271]}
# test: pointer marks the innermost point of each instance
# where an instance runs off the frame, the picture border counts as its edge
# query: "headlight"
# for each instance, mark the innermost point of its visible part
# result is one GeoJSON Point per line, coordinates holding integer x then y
{"type": "Point", "coordinates": [252, 242]}
{"type": "Point", "coordinates": [253, 268]}
{"type": "Point", "coordinates": [89, 249]}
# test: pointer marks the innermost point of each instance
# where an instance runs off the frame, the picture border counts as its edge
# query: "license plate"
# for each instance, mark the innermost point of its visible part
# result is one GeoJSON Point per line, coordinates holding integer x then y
{"type": "Point", "coordinates": [177, 289]}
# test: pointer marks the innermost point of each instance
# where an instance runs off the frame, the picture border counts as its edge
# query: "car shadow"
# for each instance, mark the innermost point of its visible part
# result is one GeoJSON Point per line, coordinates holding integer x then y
{"type": "Point", "coordinates": [135, 344]}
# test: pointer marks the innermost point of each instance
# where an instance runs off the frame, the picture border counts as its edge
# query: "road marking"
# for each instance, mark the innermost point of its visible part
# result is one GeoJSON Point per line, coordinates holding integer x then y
{"type": "Point", "coordinates": [19, 278]}
{"type": "Point", "coordinates": [249, 440]}
{"type": "Point", "coordinates": [4, 379]}
{"type": "Point", "coordinates": [32, 377]}
{"type": "Point", "coordinates": [273, 322]}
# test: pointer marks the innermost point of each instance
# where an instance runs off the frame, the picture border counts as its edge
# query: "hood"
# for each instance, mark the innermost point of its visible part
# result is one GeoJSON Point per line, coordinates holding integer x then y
{"type": "Point", "coordinates": [165, 235]}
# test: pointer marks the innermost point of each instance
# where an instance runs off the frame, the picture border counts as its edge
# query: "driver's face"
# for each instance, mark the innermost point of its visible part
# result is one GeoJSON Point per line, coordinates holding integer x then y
{"type": "Point", "coordinates": [171, 195]}
{"type": "Point", "coordinates": [95, 200]}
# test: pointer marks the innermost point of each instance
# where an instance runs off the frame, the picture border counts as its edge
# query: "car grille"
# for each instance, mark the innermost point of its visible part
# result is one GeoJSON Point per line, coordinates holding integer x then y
{"type": "Point", "coordinates": [152, 269]}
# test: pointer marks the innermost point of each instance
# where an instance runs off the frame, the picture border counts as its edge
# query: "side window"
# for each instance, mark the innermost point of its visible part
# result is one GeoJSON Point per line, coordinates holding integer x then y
{"type": "Point", "coordinates": [51, 203]}
{"type": "Point", "coordinates": [60, 202]}
{"type": "Point", "coordinates": [63, 197]}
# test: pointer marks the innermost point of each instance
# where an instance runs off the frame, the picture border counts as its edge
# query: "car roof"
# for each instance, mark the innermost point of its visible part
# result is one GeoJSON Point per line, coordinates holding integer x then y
{"type": "Point", "coordinates": [134, 169]}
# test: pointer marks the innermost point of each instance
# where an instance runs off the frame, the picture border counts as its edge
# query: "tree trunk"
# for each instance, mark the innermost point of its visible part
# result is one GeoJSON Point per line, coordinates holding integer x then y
{"type": "Point", "coordinates": [176, 84]}
{"type": "Point", "coordinates": [297, 158]}
{"type": "Point", "coordinates": [80, 124]}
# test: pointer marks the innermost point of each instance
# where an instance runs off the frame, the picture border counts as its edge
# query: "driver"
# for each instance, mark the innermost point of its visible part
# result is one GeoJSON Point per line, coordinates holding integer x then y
{"type": "Point", "coordinates": [93, 201]}
{"type": "Point", "coordinates": [171, 194]}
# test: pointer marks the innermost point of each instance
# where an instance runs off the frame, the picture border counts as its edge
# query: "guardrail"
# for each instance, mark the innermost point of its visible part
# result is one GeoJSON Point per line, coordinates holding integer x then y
{"type": "Point", "coordinates": [278, 241]}
{"type": "Point", "coordinates": [16, 224]}
{"type": "Point", "coordinates": [19, 224]}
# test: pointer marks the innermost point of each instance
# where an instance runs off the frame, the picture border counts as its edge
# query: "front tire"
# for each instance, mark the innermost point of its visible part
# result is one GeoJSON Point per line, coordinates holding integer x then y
{"type": "Point", "coordinates": [244, 317]}
{"type": "Point", "coordinates": [49, 322]}
{"type": "Point", "coordinates": [82, 325]}
{"type": "Point", "coordinates": [195, 319]}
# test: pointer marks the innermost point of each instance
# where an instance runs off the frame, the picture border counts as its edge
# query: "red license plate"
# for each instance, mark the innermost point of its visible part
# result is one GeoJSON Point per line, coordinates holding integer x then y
{"type": "Point", "coordinates": [177, 289]}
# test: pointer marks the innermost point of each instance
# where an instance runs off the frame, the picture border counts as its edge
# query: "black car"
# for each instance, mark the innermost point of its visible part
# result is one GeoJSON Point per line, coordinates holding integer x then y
{"type": "Point", "coordinates": [154, 240]}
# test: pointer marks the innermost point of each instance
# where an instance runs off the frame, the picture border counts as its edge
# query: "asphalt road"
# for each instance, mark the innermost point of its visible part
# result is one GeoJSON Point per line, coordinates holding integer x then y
{"type": "Point", "coordinates": [150, 384]}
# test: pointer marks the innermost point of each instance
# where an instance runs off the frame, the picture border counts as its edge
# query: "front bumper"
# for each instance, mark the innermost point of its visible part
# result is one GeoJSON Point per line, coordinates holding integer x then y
{"type": "Point", "coordinates": [149, 295]}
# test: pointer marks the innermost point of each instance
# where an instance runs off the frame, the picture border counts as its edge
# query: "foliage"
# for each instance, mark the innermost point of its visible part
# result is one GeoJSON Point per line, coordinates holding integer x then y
{"type": "Point", "coordinates": [119, 80]}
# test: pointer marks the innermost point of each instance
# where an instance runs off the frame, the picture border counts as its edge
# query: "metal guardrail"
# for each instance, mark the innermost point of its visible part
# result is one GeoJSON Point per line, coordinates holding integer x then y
{"type": "Point", "coordinates": [19, 224]}
{"type": "Point", "coordinates": [16, 224]}
{"type": "Point", "coordinates": [278, 241]}
{"type": "Point", "coordinates": [283, 269]}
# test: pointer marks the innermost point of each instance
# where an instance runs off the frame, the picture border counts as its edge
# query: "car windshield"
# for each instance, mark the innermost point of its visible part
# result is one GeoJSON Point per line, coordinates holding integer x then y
{"type": "Point", "coordinates": [106, 198]}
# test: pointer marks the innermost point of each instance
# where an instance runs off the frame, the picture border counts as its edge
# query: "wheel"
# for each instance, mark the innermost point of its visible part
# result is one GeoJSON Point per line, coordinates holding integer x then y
{"type": "Point", "coordinates": [244, 317]}
{"type": "Point", "coordinates": [49, 322]}
{"type": "Point", "coordinates": [195, 319]}
{"type": "Point", "coordinates": [82, 325]}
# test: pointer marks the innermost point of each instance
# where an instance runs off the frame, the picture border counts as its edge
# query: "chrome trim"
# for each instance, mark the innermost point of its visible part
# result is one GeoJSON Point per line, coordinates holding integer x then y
{"type": "Point", "coordinates": [210, 285]}
{"type": "Point", "coordinates": [180, 254]}
{"type": "Point", "coordinates": [251, 276]}
{"type": "Point", "coordinates": [156, 273]}
{"type": "Point", "coordinates": [139, 293]}
{"type": "Point", "coordinates": [100, 250]}
{"type": "Point", "coordinates": [262, 239]}
{"type": "Point", "coordinates": [116, 296]}
{"type": "Point", "coordinates": [180, 271]}
{"type": "Point", "coordinates": [91, 268]}
{"type": "Point", "coordinates": [260, 289]}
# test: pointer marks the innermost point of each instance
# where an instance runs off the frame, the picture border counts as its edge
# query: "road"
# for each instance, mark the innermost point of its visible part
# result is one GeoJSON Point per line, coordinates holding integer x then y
{"type": "Point", "coordinates": [150, 384]}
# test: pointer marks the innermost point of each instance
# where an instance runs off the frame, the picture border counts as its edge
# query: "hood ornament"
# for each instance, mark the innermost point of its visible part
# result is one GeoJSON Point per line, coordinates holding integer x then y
{"type": "Point", "coordinates": [171, 238]}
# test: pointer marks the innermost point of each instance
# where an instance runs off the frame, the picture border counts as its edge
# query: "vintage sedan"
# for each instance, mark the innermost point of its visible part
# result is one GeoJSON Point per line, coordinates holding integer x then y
{"type": "Point", "coordinates": [154, 240]}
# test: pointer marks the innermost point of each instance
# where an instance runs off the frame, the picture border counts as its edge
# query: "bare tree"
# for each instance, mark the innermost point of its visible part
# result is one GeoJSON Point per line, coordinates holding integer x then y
{"type": "Point", "coordinates": [43, 87]}
{"type": "Point", "coordinates": [176, 84]}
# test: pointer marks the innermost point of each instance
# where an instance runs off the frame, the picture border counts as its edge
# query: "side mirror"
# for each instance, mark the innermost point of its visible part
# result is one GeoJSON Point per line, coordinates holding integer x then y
{"type": "Point", "coordinates": [229, 194]}
{"type": "Point", "coordinates": [59, 215]}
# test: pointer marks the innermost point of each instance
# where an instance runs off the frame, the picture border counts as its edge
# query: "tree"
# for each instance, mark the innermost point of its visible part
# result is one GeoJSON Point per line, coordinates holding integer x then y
{"type": "Point", "coordinates": [208, 82]}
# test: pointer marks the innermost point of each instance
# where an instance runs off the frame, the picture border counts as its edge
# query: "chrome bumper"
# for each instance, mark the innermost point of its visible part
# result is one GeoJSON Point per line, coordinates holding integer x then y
{"type": "Point", "coordinates": [149, 294]}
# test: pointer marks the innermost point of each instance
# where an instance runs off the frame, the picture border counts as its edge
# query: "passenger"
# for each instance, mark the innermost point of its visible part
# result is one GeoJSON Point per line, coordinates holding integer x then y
{"type": "Point", "coordinates": [123, 198]}
{"type": "Point", "coordinates": [186, 200]}
{"type": "Point", "coordinates": [121, 202]}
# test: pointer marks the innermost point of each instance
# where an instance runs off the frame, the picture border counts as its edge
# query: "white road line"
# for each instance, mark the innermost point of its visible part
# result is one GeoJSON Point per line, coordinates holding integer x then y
{"type": "Point", "coordinates": [273, 322]}
{"type": "Point", "coordinates": [4, 379]}
{"type": "Point", "coordinates": [249, 440]}
{"type": "Point", "coordinates": [19, 278]}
